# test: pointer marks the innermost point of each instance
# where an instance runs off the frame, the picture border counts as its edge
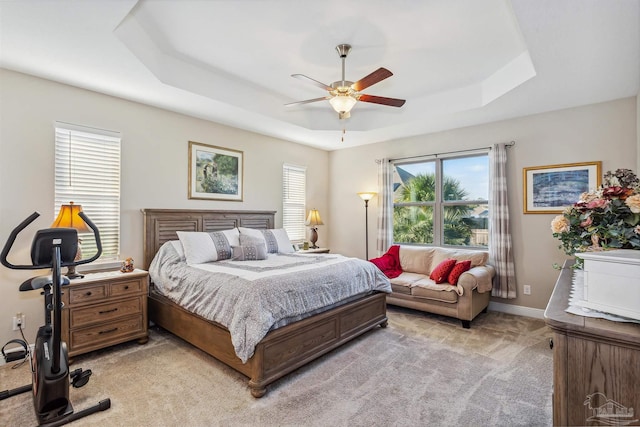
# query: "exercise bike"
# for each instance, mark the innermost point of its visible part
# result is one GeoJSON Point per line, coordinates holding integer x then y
{"type": "Point", "coordinates": [52, 248]}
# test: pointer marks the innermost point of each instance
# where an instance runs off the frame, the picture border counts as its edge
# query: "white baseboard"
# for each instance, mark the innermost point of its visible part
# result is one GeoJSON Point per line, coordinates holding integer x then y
{"type": "Point", "coordinates": [518, 310]}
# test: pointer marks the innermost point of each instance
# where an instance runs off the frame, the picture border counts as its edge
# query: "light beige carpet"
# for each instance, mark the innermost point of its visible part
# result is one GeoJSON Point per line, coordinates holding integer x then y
{"type": "Point", "coordinates": [421, 370]}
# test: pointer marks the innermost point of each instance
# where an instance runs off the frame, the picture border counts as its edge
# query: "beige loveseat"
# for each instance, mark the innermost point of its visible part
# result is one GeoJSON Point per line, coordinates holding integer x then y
{"type": "Point", "coordinates": [414, 289]}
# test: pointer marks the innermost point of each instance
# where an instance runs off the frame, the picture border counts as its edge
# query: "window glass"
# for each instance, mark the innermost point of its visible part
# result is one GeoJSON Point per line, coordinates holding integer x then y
{"type": "Point", "coordinates": [442, 202]}
{"type": "Point", "coordinates": [414, 182]}
{"type": "Point", "coordinates": [466, 178]}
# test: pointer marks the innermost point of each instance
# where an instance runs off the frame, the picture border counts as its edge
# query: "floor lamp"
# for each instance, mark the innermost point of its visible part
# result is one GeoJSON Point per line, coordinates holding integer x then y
{"type": "Point", "coordinates": [366, 196]}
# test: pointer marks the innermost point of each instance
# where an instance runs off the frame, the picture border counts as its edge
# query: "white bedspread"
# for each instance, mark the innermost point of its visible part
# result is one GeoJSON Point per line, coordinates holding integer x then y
{"type": "Point", "coordinates": [250, 298]}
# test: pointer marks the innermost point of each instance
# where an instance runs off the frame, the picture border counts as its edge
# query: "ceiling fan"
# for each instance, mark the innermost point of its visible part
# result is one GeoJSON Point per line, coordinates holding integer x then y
{"type": "Point", "coordinates": [343, 94]}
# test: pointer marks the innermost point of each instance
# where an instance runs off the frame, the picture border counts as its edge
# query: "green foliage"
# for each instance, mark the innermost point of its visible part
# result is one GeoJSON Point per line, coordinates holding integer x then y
{"type": "Point", "coordinates": [608, 218]}
{"type": "Point", "coordinates": [414, 224]}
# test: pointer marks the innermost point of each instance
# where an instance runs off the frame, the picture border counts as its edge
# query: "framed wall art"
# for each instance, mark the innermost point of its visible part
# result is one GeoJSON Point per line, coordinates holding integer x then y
{"type": "Point", "coordinates": [215, 173]}
{"type": "Point", "coordinates": [550, 189]}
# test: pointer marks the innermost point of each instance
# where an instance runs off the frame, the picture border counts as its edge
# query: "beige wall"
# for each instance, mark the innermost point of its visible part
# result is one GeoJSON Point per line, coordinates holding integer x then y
{"type": "Point", "coordinates": [154, 169]}
{"type": "Point", "coordinates": [604, 132]}
{"type": "Point", "coordinates": [154, 172]}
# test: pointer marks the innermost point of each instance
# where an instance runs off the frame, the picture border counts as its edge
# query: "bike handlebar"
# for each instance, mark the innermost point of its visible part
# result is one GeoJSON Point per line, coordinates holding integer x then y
{"type": "Point", "coordinates": [12, 238]}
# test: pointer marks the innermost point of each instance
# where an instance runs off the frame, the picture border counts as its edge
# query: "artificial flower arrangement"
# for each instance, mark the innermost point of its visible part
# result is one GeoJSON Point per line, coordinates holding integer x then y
{"type": "Point", "coordinates": [607, 218]}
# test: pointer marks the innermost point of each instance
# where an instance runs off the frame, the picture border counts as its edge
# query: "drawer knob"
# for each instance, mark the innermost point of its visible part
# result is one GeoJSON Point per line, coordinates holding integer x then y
{"type": "Point", "coordinates": [108, 311]}
{"type": "Point", "coordinates": [126, 287]}
{"type": "Point", "coordinates": [88, 294]}
{"type": "Point", "coordinates": [108, 331]}
{"type": "Point", "coordinates": [551, 343]}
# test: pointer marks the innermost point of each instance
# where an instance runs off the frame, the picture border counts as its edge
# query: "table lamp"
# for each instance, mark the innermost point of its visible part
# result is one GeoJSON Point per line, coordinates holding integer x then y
{"type": "Point", "coordinates": [68, 218]}
{"type": "Point", "coordinates": [314, 220]}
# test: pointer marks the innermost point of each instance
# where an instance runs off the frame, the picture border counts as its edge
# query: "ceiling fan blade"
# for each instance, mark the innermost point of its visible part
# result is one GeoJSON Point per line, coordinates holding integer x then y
{"type": "Point", "coordinates": [373, 78]}
{"type": "Point", "coordinates": [308, 101]}
{"type": "Point", "coordinates": [392, 102]}
{"type": "Point", "coordinates": [312, 81]}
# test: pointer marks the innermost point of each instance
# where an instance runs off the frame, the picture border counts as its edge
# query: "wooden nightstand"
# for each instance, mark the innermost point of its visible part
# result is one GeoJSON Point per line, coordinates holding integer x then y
{"type": "Point", "coordinates": [314, 251]}
{"type": "Point", "coordinates": [103, 309]}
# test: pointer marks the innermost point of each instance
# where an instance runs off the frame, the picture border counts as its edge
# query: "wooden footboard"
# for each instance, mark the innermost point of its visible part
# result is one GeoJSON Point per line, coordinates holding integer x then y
{"type": "Point", "coordinates": [281, 351]}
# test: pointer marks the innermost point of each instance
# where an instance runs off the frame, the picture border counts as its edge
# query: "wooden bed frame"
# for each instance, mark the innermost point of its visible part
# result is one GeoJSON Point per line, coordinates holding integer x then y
{"type": "Point", "coordinates": [282, 350]}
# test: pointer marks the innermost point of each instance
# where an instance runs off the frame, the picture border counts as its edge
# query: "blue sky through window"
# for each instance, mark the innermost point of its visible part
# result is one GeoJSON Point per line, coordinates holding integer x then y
{"type": "Point", "coordinates": [471, 172]}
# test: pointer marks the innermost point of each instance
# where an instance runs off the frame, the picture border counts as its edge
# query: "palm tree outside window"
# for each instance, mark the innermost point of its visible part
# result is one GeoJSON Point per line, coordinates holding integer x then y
{"type": "Point", "coordinates": [442, 201]}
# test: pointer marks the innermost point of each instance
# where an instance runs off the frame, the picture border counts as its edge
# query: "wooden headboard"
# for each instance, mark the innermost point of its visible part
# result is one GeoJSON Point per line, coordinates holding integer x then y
{"type": "Point", "coordinates": [160, 225]}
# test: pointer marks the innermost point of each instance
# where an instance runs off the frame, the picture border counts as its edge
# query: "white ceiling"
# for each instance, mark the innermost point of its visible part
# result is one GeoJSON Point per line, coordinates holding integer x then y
{"type": "Point", "coordinates": [456, 62]}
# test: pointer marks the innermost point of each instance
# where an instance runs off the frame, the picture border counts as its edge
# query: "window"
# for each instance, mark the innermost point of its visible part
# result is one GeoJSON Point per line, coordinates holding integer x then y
{"type": "Point", "coordinates": [87, 173]}
{"type": "Point", "coordinates": [442, 201]}
{"type": "Point", "coordinates": [294, 181]}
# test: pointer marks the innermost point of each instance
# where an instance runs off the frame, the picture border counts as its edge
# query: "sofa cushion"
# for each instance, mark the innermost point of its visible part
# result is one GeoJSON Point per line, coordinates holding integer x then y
{"type": "Point", "coordinates": [406, 279]}
{"type": "Point", "coordinates": [432, 294]}
{"type": "Point", "coordinates": [404, 288]}
{"type": "Point", "coordinates": [457, 270]}
{"type": "Point", "coordinates": [442, 270]}
{"type": "Point", "coordinates": [416, 259]}
{"type": "Point", "coordinates": [476, 257]}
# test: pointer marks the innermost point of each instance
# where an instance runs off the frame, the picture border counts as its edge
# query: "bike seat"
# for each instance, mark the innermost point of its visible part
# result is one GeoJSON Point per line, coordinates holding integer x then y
{"type": "Point", "coordinates": [40, 282]}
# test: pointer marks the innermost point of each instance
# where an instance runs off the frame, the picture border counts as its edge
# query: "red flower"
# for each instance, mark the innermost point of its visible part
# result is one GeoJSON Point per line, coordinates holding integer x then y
{"type": "Point", "coordinates": [598, 203]}
{"type": "Point", "coordinates": [619, 192]}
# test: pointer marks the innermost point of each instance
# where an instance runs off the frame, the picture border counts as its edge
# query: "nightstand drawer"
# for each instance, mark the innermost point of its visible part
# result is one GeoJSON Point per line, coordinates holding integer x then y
{"type": "Point", "coordinates": [96, 336]}
{"type": "Point", "coordinates": [104, 312]}
{"type": "Point", "coordinates": [125, 288]}
{"type": "Point", "coordinates": [87, 294]}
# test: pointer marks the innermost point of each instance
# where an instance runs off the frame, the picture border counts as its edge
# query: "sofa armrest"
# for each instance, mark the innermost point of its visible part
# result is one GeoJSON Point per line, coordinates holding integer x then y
{"type": "Point", "coordinates": [480, 278]}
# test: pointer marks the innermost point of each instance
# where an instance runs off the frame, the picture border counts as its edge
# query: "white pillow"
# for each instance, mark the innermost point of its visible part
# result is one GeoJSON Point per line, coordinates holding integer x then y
{"type": "Point", "coordinates": [200, 247]}
{"type": "Point", "coordinates": [277, 240]}
{"type": "Point", "coordinates": [178, 247]}
{"type": "Point", "coordinates": [284, 244]}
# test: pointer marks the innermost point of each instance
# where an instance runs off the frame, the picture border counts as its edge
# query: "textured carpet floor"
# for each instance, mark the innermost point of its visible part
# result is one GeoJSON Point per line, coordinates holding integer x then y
{"type": "Point", "coordinates": [421, 370]}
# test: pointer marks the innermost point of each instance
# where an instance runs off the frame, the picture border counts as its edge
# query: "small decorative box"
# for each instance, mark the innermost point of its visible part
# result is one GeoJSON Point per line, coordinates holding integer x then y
{"type": "Point", "coordinates": [612, 281]}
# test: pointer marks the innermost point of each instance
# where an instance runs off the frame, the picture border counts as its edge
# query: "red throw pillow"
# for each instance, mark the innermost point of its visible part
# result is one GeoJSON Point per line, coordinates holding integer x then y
{"type": "Point", "coordinates": [457, 271]}
{"type": "Point", "coordinates": [441, 272]}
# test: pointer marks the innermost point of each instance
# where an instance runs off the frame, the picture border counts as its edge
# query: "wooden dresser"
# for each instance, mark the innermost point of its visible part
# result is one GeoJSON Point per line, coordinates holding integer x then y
{"type": "Point", "coordinates": [103, 309]}
{"type": "Point", "coordinates": [596, 365]}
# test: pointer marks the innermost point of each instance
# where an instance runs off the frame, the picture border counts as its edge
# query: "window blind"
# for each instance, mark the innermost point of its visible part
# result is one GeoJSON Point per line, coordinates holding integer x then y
{"type": "Point", "coordinates": [87, 173]}
{"type": "Point", "coordinates": [294, 180]}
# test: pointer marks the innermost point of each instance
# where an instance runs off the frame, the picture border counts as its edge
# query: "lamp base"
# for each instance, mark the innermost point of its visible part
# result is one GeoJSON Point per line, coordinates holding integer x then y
{"type": "Point", "coordinates": [313, 238]}
{"type": "Point", "coordinates": [71, 273]}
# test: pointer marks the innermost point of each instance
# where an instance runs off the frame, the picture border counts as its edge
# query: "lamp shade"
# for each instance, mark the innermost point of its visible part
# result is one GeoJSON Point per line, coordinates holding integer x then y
{"type": "Point", "coordinates": [343, 103]}
{"type": "Point", "coordinates": [314, 218]}
{"type": "Point", "coordinates": [68, 218]}
{"type": "Point", "coordinates": [367, 195]}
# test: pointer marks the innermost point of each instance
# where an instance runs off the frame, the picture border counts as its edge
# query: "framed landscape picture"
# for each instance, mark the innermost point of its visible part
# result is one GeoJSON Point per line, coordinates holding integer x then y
{"type": "Point", "coordinates": [215, 173]}
{"type": "Point", "coordinates": [550, 189]}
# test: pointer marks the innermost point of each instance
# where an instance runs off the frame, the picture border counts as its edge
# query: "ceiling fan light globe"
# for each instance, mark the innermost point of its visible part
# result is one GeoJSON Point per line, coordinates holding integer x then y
{"type": "Point", "coordinates": [342, 103]}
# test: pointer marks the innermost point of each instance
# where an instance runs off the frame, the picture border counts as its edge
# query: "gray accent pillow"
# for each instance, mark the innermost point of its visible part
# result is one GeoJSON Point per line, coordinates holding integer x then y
{"type": "Point", "coordinates": [249, 253]}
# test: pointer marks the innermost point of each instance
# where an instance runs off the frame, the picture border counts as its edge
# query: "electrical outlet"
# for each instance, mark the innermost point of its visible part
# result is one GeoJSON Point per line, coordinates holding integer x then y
{"type": "Point", "coordinates": [527, 289]}
{"type": "Point", "coordinates": [18, 321]}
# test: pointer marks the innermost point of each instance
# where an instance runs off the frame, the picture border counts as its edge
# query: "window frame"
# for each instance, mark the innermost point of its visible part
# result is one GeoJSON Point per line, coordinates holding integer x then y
{"type": "Point", "coordinates": [75, 180]}
{"type": "Point", "coordinates": [439, 205]}
{"type": "Point", "coordinates": [293, 212]}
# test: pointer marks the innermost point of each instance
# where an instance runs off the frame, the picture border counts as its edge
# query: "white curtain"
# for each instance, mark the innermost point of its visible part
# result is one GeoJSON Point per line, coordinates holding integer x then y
{"type": "Point", "coordinates": [385, 206]}
{"type": "Point", "coordinates": [500, 247]}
